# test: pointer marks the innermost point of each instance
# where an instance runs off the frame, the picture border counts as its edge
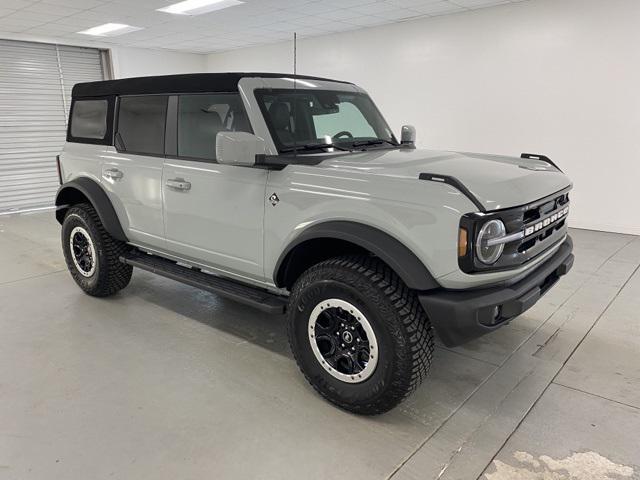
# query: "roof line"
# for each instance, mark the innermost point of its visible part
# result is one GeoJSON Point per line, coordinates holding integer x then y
{"type": "Point", "coordinates": [184, 83]}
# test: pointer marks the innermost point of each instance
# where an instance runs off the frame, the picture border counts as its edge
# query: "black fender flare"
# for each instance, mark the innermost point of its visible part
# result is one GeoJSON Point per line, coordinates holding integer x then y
{"type": "Point", "coordinates": [68, 194]}
{"type": "Point", "coordinates": [390, 250]}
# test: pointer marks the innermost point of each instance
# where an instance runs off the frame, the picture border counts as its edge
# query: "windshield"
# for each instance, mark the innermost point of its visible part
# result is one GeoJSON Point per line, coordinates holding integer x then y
{"type": "Point", "coordinates": [311, 119]}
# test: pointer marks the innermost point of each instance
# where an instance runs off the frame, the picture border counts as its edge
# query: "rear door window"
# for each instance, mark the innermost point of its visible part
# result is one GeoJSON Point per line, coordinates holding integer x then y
{"type": "Point", "coordinates": [141, 124]}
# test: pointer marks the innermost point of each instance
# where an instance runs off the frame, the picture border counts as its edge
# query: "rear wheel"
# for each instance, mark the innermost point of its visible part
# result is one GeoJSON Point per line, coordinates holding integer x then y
{"type": "Point", "coordinates": [359, 335]}
{"type": "Point", "coordinates": [92, 255]}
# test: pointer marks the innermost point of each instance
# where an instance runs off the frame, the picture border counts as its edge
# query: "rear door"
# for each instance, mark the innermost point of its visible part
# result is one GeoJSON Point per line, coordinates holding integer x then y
{"type": "Point", "coordinates": [213, 213]}
{"type": "Point", "coordinates": [133, 173]}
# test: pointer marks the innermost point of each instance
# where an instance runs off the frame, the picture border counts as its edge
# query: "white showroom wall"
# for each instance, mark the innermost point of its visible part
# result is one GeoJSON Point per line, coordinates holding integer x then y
{"type": "Point", "coordinates": [139, 62]}
{"type": "Point", "coordinates": [559, 77]}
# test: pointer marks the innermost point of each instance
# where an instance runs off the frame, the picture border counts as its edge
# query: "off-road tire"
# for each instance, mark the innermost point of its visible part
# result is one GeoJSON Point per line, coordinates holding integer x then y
{"type": "Point", "coordinates": [110, 274]}
{"type": "Point", "coordinates": [402, 329]}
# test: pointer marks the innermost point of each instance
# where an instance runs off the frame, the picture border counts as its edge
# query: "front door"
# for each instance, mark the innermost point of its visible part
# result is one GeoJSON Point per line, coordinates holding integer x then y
{"type": "Point", "coordinates": [213, 213]}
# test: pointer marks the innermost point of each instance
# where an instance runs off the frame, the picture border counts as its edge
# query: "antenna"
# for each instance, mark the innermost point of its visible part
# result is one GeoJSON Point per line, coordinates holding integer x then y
{"type": "Point", "coordinates": [295, 88]}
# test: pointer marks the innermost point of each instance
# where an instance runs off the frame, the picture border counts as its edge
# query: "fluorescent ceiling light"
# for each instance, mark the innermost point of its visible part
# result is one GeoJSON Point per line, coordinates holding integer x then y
{"type": "Point", "coordinates": [110, 30]}
{"type": "Point", "coordinates": [196, 7]}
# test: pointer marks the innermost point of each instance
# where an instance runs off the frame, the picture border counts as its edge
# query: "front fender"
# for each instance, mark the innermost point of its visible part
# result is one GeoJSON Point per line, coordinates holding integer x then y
{"type": "Point", "coordinates": [390, 250]}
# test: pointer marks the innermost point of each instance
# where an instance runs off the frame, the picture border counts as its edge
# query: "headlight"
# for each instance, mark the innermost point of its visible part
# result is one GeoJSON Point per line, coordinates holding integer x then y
{"type": "Point", "coordinates": [493, 229]}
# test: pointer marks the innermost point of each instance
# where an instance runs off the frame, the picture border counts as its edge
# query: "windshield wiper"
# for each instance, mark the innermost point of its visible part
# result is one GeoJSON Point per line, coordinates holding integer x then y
{"type": "Point", "coordinates": [377, 141]}
{"type": "Point", "coordinates": [314, 146]}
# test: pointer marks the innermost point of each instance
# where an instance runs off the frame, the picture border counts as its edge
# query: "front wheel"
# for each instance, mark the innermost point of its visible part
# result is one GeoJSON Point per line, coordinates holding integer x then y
{"type": "Point", "coordinates": [359, 334]}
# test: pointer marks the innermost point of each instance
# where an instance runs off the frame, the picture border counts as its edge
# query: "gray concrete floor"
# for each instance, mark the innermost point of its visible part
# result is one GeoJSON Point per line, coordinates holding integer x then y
{"type": "Point", "coordinates": [165, 382]}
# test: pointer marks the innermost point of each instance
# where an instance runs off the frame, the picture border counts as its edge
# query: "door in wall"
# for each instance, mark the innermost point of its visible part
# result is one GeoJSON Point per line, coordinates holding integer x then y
{"type": "Point", "coordinates": [35, 93]}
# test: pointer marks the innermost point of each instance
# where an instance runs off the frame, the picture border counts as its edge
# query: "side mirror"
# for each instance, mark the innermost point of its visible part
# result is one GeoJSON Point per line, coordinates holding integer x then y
{"type": "Point", "coordinates": [408, 136]}
{"type": "Point", "coordinates": [238, 148]}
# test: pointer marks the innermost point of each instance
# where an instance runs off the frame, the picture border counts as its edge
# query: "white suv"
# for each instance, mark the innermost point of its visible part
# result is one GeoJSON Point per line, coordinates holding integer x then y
{"type": "Point", "coordinates": [292, 194]}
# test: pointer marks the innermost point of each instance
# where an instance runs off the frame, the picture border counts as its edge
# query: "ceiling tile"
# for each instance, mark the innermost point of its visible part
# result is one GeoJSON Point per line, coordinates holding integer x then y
{"type": "Point", "coordinates": [150, 20]}
{"type": "Point", "coordinates": [150, 4]}
{"type": "Point", "coordinates": [311, 31]}
{"type": "Point", "coordinates": [283, 27]}
{"type": "Point", "coordinates": [282, 4]}
{"type": "Point", "coordinates": [79, 4]}
{"type": "Point", "coordinates": [47, 30]}
{"type": "Point", "coordinates": [349, 3]}
{"type": "Point", "coordinates": [335, 26]}
{"type": "Point", "coordinates": [50, 8]}
{"type": "Point", "coordinates": [32, 16]}
{"type": "Point", "coordinates": [365, 20]}
{"type": "Point", "coordinates": [17, 4]}
{"type": "Point", "coordinates": [11, 29]}
{"type": "Point", "coordinates": [122, 9]}
{"type": "Point", "coordinates": [6, 11]}
{"type": "Point", "coordinates": [377, 7]}
{"type": "Point", "coordinates": [281, 16]}
{"type": "Point", "coordinates": [339, 14]}
{"type": "Point", "coordinates": [479, 3]}
{"type": "Point", "coordinates": [254, 22]}
{"type": "Point", "coordinates": [310, 20]}
{"type": "Point", "coordinates": [77, 21]}
{"type": "Point", "coordinates": [20, 24]}
{"type": "Point", "coordinates": [313, 8]}
{"type": "Point", "coordinates": [439, 8]}
{"type": "Point", "coordinates": [398, 14]}
{"type": "Point", "coordinates": [408, 3]}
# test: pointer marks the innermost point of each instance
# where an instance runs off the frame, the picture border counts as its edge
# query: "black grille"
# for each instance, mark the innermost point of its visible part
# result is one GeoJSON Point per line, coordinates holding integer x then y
{"type": "Point", "coordinates": [538, 211]}
{"type": "Point", "coordinates": [516, 220]}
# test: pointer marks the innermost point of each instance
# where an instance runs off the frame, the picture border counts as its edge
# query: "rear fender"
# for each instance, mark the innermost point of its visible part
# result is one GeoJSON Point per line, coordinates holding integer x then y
{"type": "Point", "coordinates": [82, 190]}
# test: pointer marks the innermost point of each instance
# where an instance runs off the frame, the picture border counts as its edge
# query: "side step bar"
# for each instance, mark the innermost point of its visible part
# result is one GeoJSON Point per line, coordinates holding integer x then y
{"type": "Point", "coordinates": [253, 296]}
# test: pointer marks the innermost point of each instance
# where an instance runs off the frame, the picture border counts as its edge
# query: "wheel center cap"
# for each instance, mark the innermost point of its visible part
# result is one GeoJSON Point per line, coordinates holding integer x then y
{"type": "Point", "coordinates": [347, 337]}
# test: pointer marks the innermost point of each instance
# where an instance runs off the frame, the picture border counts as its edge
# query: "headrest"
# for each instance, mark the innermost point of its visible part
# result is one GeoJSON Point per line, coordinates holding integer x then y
{"type": "Point", "coordinates": [210, 118]}
{"type": "Point", "coordinates": [279, 113]}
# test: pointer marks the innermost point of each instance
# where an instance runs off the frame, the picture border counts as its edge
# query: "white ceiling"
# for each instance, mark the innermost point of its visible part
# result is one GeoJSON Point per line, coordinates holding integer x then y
{"type": "Point", "coordinates": [253, 23]}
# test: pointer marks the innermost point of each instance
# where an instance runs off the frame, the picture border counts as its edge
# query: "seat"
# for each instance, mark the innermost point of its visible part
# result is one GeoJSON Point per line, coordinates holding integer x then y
{"type": "Point", "coordinates": [240, 122]}
{"type": "Point", "coordinates": [281, 121]}
{"type": "Point", "coordinates": [197, 134]}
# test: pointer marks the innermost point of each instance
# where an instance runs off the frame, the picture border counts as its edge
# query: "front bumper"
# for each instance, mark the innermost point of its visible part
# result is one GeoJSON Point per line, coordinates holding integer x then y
{"type": "Point", "coordinates": [462, 315]}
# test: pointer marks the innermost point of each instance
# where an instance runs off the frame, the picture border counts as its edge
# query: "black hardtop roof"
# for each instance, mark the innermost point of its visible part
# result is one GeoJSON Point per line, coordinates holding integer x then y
{"type": "Point", "coordinates": [186, 83]}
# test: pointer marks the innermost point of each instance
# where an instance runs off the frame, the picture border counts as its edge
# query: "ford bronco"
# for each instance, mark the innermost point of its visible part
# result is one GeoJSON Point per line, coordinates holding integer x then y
{"type": "Point", "coordinates": [293, 195]}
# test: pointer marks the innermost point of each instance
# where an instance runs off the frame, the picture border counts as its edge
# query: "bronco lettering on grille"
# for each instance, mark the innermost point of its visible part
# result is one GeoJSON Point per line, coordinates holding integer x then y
{"type": "Point", "coordinates": [531, 229]}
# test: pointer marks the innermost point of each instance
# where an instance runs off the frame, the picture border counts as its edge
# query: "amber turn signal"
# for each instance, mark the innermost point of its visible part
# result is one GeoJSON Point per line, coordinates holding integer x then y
{"type": "Point", "coordinates": [462, 242]}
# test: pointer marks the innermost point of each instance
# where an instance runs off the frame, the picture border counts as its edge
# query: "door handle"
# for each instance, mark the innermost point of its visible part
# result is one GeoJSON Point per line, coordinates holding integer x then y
{"type": "Point", "coordinates": [178, 184]}
{"type": "Point", "coordinates": [112, 173]}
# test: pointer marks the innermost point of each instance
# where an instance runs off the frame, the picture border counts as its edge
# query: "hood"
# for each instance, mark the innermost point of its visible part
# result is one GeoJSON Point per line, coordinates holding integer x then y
{"type": "Point", "coordinates": [496, 181]}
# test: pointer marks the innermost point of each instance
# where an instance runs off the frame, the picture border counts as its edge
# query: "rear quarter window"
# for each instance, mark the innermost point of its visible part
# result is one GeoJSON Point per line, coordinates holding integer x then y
{"type": "Point", "coordinates": [89, 122]}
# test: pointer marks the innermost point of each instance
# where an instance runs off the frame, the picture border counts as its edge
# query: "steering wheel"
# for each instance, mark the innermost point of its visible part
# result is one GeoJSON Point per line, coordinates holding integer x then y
{"type": "Point", "coordinates": [343, 133]}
